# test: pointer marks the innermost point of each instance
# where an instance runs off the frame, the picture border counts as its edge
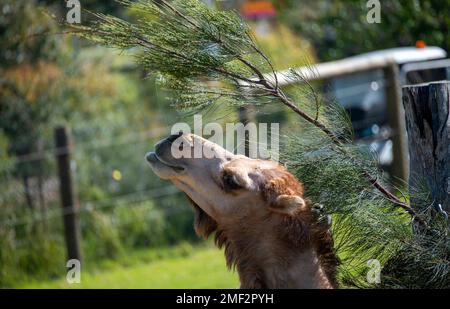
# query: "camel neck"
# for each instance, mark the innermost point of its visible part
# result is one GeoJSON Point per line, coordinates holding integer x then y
{"type": "Point", "coordinates": [263, 260]}
{"type": "Point", "coordinates": [300, 270]}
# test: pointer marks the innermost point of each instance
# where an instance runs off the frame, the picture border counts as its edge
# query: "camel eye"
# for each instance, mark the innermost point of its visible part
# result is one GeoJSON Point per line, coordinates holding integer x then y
{"type": "Point", "coordinates": [230, 182]}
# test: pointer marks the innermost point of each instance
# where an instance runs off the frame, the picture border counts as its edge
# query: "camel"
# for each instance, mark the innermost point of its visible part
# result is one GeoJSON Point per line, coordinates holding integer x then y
{"type": "Point", "coordinates": [271, 234]}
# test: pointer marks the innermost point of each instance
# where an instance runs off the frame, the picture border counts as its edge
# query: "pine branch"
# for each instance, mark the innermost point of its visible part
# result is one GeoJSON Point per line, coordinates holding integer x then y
{"type": "Point", "coordinates": [278, 93]}
{"type": "Point", "coordinates": [175, 36]}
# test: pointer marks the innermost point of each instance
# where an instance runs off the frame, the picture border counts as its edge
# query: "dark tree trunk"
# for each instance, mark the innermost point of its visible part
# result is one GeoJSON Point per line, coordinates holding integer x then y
{"type": "Point", "coordinates": [427, 114]}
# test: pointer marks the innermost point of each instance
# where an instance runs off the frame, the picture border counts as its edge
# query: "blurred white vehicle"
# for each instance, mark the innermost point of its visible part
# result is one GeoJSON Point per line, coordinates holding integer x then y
{"type": "Point", "coordinates": [363, 95]}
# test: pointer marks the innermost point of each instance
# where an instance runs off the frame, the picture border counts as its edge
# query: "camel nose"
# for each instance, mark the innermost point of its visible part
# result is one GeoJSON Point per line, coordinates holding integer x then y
{"type": "Point", "coordinates": [150, 157]}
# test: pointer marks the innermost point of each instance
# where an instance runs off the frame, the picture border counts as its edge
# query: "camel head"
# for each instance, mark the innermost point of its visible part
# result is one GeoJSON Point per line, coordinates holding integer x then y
{"type": "Point", "coordinates": [255, 208]}
{"type": "Point", "coordinates": [225, 186]}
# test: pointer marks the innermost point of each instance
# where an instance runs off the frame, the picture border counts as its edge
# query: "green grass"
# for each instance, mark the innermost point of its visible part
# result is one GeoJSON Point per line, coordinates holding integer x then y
{"type": "Point", "coordinates": [195, 268]}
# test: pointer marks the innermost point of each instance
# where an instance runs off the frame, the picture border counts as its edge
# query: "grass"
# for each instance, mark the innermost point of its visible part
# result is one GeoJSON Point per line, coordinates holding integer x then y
{"type": "Point", "coordinates": [191, 267]}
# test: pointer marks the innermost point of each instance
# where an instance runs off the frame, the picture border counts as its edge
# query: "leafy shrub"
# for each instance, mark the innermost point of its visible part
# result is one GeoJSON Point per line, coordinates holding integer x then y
{"type": "Point", "coordinates": [100, 237]}
{"type": "Point", "coordinates": [141, 225]}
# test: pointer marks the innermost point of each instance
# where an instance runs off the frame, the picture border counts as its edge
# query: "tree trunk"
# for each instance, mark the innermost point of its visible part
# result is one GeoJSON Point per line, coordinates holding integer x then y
{"type": "Point", "coordinates": [427, 111]}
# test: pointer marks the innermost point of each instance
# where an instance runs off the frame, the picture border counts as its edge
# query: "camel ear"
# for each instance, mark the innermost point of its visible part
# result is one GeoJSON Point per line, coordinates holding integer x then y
{"type": "Point", "coordinates": [288, 204]}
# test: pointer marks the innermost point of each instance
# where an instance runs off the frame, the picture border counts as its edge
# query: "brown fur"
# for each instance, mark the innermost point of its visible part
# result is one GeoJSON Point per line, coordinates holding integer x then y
{"type": "Point", "coordinates": [291, 234]}
{"type": "Point", "coordinates": [258, 213]}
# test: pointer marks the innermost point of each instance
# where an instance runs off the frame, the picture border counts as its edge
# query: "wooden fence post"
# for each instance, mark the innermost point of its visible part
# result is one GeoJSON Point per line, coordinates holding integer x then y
{"type": "Point", "coordinates": [69, 207]}
{"type": "Point", "coordinates": [247, 114]}
{"type": "Point", "coordinates": [427, 111]}
{"type": "Point", "coordinates": [396, 118]}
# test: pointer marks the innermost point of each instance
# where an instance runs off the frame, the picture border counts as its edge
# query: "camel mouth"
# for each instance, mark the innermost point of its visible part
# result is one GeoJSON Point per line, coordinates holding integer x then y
{"type": "Point", "coordinates": [153, 158]}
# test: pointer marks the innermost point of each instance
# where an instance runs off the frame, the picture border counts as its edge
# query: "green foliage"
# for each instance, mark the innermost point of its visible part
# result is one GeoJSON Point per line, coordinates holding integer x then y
{"type": "Point", "coordinates": [29, 63]}
{"type": "Point", "coordinates": [186, 50]}
{"type": "Point", "coordinates": [209, 56]}
{"type": "Point", "coordinates": [101, 237]}
{"type": "Point", "coordinates": [114, 115]}
{"type": "Point", "coordinates": [30, 79]}
{"type": "Point", "coordinates": [146, 224]}
{"type": "Point", "coordinates": [36, 256]}
{"type": "Point", "coordinates": [6, 161]}
{"type": "Point", "coordinates": [23, 29]}
{"type": "Point", "coordinates": [36, 249]}
{"type": "Point", "coordinates": [339, 28]}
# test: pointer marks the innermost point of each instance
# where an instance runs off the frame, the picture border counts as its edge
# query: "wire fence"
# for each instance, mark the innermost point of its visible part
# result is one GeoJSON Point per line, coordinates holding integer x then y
{"type": "Point", "coordinates": [92, 145]}
{"type": "Point", "coordinates": [108, 175]}
{"type": "Point", "coordinates": [117, 201]}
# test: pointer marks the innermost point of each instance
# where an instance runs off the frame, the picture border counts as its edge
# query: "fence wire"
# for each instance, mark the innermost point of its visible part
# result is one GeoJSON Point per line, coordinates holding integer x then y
{"type": "Point", "coordinates": [30, 188]}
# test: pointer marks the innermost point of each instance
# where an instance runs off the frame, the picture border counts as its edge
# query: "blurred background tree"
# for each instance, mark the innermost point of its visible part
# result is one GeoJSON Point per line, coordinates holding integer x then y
{"type": "Point", "coordinates": [29, 76]}
{"type": "Point", "coordinates": [339, 28]}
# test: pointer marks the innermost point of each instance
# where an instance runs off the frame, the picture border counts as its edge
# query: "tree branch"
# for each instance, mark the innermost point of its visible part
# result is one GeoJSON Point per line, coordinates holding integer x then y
{"type": "Point", "coordinates": [278, 93]}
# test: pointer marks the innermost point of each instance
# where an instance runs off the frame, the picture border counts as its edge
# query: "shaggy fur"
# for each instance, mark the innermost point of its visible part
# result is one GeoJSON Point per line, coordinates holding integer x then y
{"type": "Point", "coordinates": [293, 234]}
